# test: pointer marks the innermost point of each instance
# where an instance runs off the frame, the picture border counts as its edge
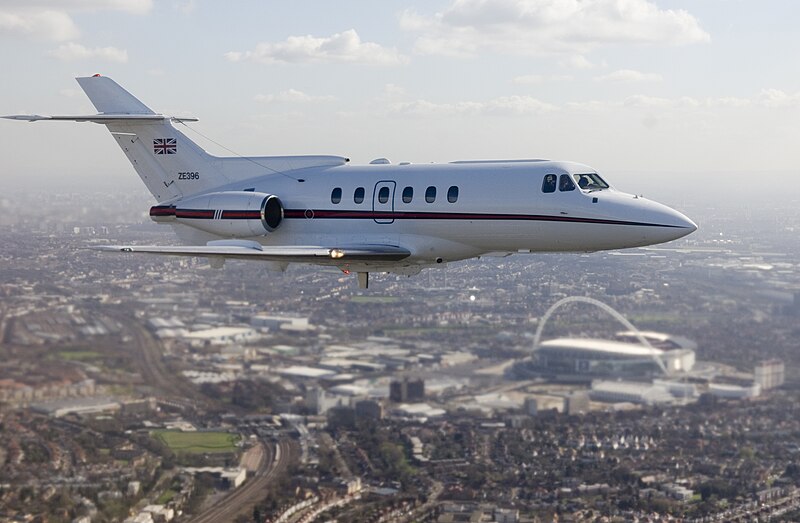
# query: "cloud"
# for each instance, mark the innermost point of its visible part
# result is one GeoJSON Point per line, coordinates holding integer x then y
{"type": "Point", "coordinates": [504, 105]}
{"type": "Point", "coordinates": [639, 103]}
{"type": "Point", "coordinates": [344, 47]}
{"type": "Point", "coordinates": [644, 101]}
{"type": "Point", "coordinates": [185, 7]}
{"type": "Point", "coordinates": [629, 75]}
{"type": "Point", "coordinates": [775, 98]}
{"type": "Point", "coordinates": [393, 92]}
{"type": "Point", "coordinates": [293, 96]}
{"type": "Point", "coordinates": [538, 79]}
{"type": "Point", "coordinates": [48, 25]}
{"type": "Point", "coordinates": [51, 20]}
{"type": "Point", "coordinates": [578, 61]}
{"type": "Point", "coordinates": [729, 101]}
{"type": "Point", "coordinates": [766, 98]}
{"type": "Point", "coordinates": [527, 27]}
{"type": "Point", "coordinates": [72, 51]}
{"type": "Point", "coordinates": [130, 6]}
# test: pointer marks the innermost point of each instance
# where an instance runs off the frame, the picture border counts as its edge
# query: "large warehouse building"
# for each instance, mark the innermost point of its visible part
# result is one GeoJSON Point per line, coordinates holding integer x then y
{"type": "Point", "coordinates": [595, 357]}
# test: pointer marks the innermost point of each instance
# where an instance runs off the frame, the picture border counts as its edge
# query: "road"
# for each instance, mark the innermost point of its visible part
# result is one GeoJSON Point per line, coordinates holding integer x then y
{"type": "Point", "coordinates": [274, 461]}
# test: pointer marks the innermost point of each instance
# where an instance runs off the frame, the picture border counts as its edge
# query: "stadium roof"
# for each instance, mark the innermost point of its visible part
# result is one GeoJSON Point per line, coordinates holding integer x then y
{"type": "Point", "coordinates": [601, 346]}
{"type": "Point", "coordinates": [650, 335]}
{"type": "Point", "coordinates": [660, 337]}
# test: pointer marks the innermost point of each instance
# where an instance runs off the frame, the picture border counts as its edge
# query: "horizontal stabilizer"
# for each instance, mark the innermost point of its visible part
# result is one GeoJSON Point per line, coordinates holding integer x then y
{"type": "Point", "coordinates": [97, 118]}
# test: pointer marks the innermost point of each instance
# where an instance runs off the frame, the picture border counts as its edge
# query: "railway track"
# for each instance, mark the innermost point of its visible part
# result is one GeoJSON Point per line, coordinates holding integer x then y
{"type": "Point", "coordinates": [274, 462]}
{"type": "Point", "coordinates": [174, 388]}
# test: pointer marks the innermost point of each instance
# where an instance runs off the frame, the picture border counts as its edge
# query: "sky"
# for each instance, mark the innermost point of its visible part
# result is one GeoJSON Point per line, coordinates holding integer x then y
{"type": "Point", "coordinates": [646, 87]}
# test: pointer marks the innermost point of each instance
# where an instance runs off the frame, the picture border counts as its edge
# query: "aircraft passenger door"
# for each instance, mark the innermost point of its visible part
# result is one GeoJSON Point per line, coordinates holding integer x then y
{"type": "Point", "coordinates": [383, 202]}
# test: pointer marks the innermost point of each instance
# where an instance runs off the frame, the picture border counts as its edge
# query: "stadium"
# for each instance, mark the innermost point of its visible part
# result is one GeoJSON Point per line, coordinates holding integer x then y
{"type": "Point", "coordinates": [636, 354]}
{"type": "Point", "coordinates": [595, 357]}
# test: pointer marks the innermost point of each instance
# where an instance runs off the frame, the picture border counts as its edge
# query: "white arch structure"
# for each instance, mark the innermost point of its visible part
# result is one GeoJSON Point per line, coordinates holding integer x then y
{"type": "Point", "coordinates": [597, 303]}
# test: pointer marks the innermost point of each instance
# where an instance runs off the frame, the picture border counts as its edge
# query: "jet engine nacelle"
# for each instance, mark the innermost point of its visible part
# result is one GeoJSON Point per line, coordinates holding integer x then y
{"type": "Point", "coordinates": [232, 214]}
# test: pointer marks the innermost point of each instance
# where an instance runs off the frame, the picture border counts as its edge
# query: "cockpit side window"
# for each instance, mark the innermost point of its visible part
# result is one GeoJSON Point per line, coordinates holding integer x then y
{"type": "Point", "coordinates": [565, 183]}
{"type": "Point", "coordinates": [549, 183]}
{"type": "Point", "coordinates": [590, 182]}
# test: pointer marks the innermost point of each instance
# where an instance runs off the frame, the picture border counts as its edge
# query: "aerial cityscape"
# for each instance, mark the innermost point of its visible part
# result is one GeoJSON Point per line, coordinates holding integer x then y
{"type": "Point", "coordinates": [138, 388]}
{"type": "Point", "coordinates": [348, 261]}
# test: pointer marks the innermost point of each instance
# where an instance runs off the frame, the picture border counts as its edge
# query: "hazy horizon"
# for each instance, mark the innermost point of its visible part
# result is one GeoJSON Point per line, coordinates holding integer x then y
{"type": "Point", "coordinates": [638, 86]}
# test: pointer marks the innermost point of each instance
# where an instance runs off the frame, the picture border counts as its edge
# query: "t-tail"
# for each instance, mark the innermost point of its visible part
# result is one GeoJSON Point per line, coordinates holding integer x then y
{"type": "Point", "coordinates": [170, 164]}
{"type": "Point", "coordinates": [164, 158]}
{"type": "Point", "coordinates": [167, 161]}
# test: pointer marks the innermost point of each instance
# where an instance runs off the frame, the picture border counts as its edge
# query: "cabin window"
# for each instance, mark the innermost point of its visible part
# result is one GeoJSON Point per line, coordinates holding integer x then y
{"type": "Point", "coordinates": [565, 183]}
{"type": "Point", "coordinates": [358, 196]}
{"type": "Point", "coordinates": [336, 195]}
{"type": "Point", "coordinates": [549, 183]}
{"type": "Point", "coordinates": [383, 195]}
{"type": "Point", "coordinates": [452, 194]}
{"type": "Point", "coordinates": [430, 194]}
{"type": "Point", "coordinates": [408, 194]}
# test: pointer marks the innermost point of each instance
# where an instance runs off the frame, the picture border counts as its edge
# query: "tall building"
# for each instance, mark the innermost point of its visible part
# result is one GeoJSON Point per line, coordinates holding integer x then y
{"type": "Point", "coordinates": [577, 403]}
{"type": "Point", "coordinates": [407, 390]}
{"type": "Point", "coordinates": [770, 374]}
{"type": "Point", "coordinates": [369, 409]}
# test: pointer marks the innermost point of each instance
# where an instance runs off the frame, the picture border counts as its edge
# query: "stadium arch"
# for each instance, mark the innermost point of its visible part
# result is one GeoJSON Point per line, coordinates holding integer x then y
{"type": "Point", "coordinates": [604, 307]}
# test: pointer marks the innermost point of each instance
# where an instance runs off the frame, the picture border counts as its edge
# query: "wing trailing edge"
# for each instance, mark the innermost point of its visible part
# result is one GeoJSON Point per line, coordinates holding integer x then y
{"type": "Point", "coordinates": [247, 250]}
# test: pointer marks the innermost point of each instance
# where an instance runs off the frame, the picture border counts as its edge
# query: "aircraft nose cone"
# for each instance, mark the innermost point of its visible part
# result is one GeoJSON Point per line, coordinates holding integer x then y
{"type": "Point", "coordinates": [655, 222]}
{"type": "Point", "coordinates": [684, 224]}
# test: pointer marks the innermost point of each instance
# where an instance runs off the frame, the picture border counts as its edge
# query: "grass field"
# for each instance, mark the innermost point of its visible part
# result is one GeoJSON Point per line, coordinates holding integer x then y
{"type": "Point", "coordinates": [197, 442]}
{"type": "Point", "coordinates": [374, 299]}
{"type": "Point", "coordinates": [165, 497]}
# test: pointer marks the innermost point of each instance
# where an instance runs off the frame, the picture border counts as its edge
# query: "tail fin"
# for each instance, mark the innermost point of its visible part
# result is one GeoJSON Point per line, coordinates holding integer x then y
{"type": "Point", "coordinates": [109, 98]}
{"type": "Point", "coordinates": [169, 163]}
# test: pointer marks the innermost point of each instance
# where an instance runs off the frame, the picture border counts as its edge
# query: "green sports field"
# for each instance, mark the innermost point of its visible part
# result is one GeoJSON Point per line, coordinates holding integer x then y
{"type": "Point", "coordinates": [197, 442]}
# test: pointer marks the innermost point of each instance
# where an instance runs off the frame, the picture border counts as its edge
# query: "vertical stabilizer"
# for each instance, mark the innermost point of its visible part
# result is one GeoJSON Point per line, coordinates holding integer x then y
{"type": "Point", "coordinates": [168, 162]}
{"type": "Point", "coordinates": [109, 98]}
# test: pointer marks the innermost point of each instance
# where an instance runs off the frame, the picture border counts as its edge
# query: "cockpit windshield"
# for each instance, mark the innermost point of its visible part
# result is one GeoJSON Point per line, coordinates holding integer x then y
{"type": "Point", "coordinates": [590, 182]}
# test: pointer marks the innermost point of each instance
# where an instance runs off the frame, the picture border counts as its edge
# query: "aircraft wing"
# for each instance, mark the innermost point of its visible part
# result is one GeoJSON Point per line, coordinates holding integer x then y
{"type": "Point", "coordinates": [247, 250]}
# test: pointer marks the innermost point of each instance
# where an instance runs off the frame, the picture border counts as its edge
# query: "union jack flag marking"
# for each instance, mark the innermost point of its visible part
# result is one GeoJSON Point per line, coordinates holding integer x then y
{"type": "Point", "coordinates": [165, 146]}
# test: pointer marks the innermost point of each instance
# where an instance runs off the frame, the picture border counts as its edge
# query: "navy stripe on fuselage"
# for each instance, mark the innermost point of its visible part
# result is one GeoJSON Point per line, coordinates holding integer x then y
{"type": "Point", "coordinates": [411, 215]}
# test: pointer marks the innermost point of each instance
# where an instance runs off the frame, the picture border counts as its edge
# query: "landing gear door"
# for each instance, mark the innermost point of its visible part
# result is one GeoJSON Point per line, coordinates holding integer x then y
{"type": "Point", "coordinates": [383, 202]}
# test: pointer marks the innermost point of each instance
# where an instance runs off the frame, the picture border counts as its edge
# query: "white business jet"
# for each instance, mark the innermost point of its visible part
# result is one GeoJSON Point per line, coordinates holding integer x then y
{"type": "Point", "coordinates": [365, 218]}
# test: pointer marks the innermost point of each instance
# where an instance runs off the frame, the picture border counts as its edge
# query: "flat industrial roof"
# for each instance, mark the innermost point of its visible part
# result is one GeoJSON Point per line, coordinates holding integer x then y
{"type": "Point", "coordinates": [305, 372]}
{"type": "Point", "coordinates": [220, 332]}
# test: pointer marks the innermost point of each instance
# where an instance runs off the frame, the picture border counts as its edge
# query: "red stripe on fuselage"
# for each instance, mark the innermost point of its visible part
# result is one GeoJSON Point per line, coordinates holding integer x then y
{"type": "Point", "coordinates": [202, 214]}
{"type": "Point", "coordinates": [411, 215]}
{"type": "Point", "coordinates": [241, 215]}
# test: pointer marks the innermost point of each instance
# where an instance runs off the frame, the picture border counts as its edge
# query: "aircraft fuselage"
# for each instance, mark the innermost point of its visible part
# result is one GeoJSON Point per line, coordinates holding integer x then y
{"type": "Point", "coordinates": [477, 208]}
